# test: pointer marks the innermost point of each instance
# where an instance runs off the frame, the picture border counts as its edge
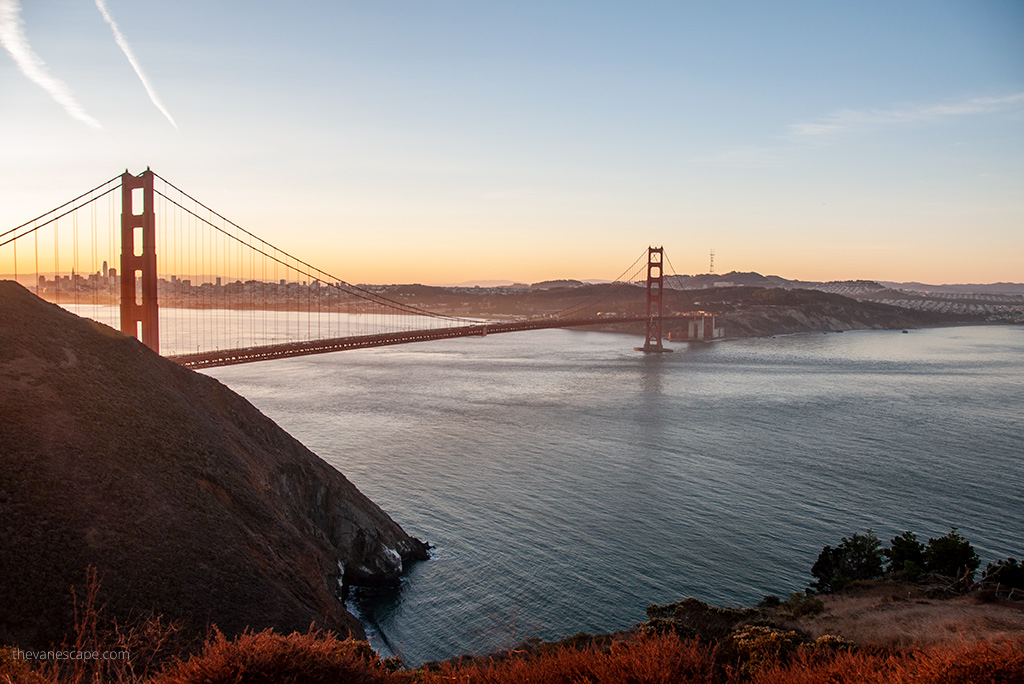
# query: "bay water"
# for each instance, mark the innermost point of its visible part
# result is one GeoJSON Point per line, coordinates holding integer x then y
{"type": "Point", "coordinates": [567, 481]}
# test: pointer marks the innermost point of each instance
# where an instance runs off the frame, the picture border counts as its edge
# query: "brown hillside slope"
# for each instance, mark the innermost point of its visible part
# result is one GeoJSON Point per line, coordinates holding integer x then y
{"type": "Point", "coordinates": [185, 497]}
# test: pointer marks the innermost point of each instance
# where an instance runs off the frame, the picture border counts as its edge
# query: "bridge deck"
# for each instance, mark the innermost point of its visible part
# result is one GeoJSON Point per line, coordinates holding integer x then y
{"type": "Point", "coordinates": [229, 357]}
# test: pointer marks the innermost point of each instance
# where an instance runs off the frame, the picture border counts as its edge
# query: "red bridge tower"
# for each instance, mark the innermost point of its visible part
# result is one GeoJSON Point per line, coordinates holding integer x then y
{"type": "Point", "coordinates": [138, 260]}
{"type": "Point", "coordinates": [652, 343]}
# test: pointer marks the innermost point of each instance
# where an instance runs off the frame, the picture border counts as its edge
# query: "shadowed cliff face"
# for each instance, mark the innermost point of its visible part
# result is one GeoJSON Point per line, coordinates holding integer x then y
{"type": "Point", "coordinates": [186, 498]}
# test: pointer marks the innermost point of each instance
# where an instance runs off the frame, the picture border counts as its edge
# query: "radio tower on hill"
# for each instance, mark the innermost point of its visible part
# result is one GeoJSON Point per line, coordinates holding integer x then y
{"type": "Point", "coordinates": [712, 267]}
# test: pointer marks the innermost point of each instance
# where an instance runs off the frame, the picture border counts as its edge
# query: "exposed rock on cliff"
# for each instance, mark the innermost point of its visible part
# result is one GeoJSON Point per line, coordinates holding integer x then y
{"type": "Point", "coordinates": [184, 496]}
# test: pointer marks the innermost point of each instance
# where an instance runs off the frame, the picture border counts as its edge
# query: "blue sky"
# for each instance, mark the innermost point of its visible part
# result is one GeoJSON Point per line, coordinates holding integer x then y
{"type": "Point", "coordinates": [437, 141]}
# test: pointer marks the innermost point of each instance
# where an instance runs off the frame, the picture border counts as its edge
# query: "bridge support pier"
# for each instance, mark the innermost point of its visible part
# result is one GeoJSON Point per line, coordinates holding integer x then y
{"type": "Point", "coordinates": [138, 260]}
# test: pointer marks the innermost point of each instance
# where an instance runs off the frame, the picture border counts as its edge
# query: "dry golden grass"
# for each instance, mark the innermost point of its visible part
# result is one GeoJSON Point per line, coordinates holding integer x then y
{"type": "Point", "coordinates": [899, 616]}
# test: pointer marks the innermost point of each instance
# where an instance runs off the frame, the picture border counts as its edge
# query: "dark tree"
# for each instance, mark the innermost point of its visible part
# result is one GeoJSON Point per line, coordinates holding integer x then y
{"type": "Point", "coordinates": [1009, 573]}
{"type": "Point", "coordinates": [952, 556]}
{"type": "Point", "coordinates": [858, 557]}
{"type": "Point", "coordinates": [906, 555]}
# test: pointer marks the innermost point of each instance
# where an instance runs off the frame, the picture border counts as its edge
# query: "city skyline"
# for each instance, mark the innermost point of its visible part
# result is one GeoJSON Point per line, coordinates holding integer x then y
{"type": "Point", "coordinates": [452, 142]}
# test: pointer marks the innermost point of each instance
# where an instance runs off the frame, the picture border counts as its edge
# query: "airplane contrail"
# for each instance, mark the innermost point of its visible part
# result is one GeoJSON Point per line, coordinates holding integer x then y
{"type": "Point", "coordinates": [12, 37]}
{"type": "Point", "coordinates": [122, 42]}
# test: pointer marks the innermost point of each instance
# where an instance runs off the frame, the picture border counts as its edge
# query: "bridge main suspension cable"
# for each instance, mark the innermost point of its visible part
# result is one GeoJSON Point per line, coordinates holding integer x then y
{"type": "Point", "coordinates": [271, 252]}
{"type": "Point", "coordinates": [222, 287]}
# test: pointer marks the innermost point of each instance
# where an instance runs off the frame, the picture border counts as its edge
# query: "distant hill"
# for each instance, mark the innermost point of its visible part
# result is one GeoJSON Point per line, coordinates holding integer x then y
{"type": "Point", "coordinates": [742, 311]}
{"type": "Point", "coordinates": [732, 279]}
{"type": "Point", "coordinates": [482, 283]}
{"type": "Point", "coordinates": [554, 284]}
{"type": "Point", "coordinates": [738, 279]}
{"type": "Point", "coordinates": [991, 288]}
{"type": "Point", "coordinates": [186, 498]}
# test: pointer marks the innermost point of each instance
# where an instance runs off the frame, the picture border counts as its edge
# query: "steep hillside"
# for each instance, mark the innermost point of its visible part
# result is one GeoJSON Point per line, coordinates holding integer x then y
{"type": "Point", "coordinates": [185, 497]}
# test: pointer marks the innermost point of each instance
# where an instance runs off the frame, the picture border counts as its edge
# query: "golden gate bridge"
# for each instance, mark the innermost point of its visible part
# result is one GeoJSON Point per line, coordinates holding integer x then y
{"type": "Point", "coordinates": [224, 296]}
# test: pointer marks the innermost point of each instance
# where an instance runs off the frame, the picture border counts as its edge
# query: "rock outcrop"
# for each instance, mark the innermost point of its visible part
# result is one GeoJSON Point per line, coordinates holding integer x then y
{"type": "Point", "coordinates": [186, 499]}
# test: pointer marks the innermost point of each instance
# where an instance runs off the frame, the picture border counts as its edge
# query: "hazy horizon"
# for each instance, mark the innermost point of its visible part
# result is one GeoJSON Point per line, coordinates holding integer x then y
{"type": "Point", "coordinates": [587, 281]}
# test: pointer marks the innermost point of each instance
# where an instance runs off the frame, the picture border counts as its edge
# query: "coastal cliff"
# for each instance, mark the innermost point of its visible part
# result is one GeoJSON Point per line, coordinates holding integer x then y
{"type": "Point", "coordinates": [186, 499]}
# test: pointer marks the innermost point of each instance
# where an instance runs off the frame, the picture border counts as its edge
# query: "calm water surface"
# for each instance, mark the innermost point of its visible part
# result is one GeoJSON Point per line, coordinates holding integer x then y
{"type": "Point", "coordinates": [568, 481]}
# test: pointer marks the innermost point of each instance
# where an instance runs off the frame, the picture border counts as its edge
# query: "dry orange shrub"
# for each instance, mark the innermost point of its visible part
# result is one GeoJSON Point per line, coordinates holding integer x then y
{"type": "Point", "coordinates": [266, 657]}
{"type": "Point", "coordinates": [668, 659]}
{"type": "Point", "coordinates": [977, 663]}
{"type": "Point", "coordinates": [656, 658]}
{"type": "Point", "coordinates": [270, 658]}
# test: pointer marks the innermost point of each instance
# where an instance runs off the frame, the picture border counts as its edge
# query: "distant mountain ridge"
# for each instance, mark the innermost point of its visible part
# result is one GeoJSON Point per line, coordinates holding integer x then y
{"type": "Point", "coordinates": [753, 279]}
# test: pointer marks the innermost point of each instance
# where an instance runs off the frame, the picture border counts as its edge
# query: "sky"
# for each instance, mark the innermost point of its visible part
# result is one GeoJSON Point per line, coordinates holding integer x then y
{"type": "Point", "coordinates": [441, 142]}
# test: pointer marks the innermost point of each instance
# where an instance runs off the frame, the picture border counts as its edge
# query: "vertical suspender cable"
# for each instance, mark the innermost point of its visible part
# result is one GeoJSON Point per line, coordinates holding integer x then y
{"type": "Point", "coordinates": [263, 290]}
{"type": "Point", "coordinates": [187, 227]}
{"type": "Point", "coordinates": [252, 294]}
{"type": "Point", "coordinates": [209, 328]}
{"type": "Point", "coordinates": [202, 312]}
{"type": "Point", "coordinates": [74, 257]}
{"type": "Point", "coordinates": [213, 316]}
{"type": "Point", "coordinates": [35, 285]}
{"type": "Point", "coordinates": [93, 284]}
{"type": "Point", "coordinates": [277, 295]}
{"type": "Point", "coordinates": [56, 263]}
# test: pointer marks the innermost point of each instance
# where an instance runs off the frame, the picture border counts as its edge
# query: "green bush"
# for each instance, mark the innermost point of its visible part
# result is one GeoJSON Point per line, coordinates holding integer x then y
{"type": "Point", "coordinates": [858, 557]}
{"type": "Point", "coordinates": [906, 555]}
{"type": "Point", "coordinates": [694, 618]}
{"type": "Point", "coordinates": [952, 556]}
{"type": "Point", "coordinates": [801, 605]}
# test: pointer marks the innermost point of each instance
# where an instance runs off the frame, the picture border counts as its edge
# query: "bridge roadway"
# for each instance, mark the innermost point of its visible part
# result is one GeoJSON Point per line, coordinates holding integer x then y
{"type": "Point", "coordinates": [230, 357]}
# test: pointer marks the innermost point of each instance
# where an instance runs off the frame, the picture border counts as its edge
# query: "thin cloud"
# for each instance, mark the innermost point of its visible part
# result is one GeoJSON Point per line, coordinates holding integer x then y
{"type": "Point", "coordinates": [799, 136]}
{"type": "Point", "coordinates": [851, 119]}
{"type": "Point", "coordinates": [122, 42]}
{"type": "Point", "coordinates": [12, 37]}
